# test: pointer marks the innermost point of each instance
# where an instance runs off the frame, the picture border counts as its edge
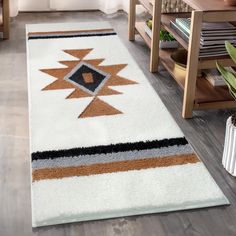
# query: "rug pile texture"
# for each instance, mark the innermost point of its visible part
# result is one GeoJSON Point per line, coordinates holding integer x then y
{"type": "Point", "coordinates": [102, 143]}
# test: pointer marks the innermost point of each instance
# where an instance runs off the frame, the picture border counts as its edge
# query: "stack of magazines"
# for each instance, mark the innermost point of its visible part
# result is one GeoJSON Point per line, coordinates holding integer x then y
{"type": "Point", "coordinates": [213, 36]}
{"type": "Point", "coordinates": [214, 76]}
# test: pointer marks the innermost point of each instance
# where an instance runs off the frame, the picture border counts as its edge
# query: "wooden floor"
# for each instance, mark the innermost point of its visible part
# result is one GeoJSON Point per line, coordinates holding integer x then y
{"type": "Point", "coordinates": [205, 131]}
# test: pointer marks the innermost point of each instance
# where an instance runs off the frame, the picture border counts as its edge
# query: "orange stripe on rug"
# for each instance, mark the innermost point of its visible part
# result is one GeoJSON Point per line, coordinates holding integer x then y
{"type": "Point", "coordinates": [101, 168]}
{"type": "Point", "coordinates": [70, 32]}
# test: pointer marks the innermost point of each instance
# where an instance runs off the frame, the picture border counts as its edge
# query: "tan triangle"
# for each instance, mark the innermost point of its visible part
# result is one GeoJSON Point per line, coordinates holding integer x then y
{"type": "Point", "coordinates": [94, 62]}
{"type": "Point", "coordinates": [58, 73]}
{"type": "Point", "coordinates": [81, 53]}
{"type": "Point", "coordinates": [99, 108]}
{"type": "Point", "coordinates": [70, 64]}
{"type": "Point", "coordinates": [118, 80]}
{"type": "Point", "coordinates": [107, 91]}
{"type": "Point", "coordinates": [59, 84]}
{"type": "Point", "coordinates": [113, 69]}
{"type": "Point", "coordinates": [79, 93]}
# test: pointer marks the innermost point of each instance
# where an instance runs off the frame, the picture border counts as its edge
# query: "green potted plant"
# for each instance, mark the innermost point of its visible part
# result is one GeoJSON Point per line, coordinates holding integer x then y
{"type": "Point", "coordinates": [166, 39]}
{"type": "Point", "coordinates": [229, 154]}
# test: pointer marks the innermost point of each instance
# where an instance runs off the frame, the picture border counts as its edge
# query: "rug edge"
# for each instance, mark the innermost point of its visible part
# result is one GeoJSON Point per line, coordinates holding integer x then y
{"type": "Point", "coordinates": [114, 215]}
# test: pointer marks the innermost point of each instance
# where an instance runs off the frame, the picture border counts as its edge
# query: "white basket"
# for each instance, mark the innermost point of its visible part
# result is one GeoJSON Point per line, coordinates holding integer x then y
{"type": "Point", "coordinates": [169, 6]}
{"type": "Point", "coordinates": [229, 155]}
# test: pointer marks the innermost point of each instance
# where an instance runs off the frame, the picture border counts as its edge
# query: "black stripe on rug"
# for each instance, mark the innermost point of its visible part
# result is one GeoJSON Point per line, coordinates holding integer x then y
{"type": "Point", "coordinates": [120, 147]}
{"type": "Point", "coordinates": [70, 36]}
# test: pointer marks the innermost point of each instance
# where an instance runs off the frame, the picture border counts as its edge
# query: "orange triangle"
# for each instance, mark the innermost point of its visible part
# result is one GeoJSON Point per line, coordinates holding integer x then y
{"type": "Point", "coordinates": [105, 91]}
{"type": "Point", "coordinates": [59, 84]}
{"type": "Point", "coordinates": [58, 73]}
{"type": "Point", "coordinates": [78, 93]}
{"type": "Point", "coordinates": [99, 108]}
{"type": "Point", "coordinates": [118, 80]}
{"type": "Point", "coordinates": [113, 69]}
{"type": "Point", "coordinates": [70, 64]}
{"type": "Point", "coordinates": [81, 53]}
{"type": "Point", "coordinates": [94, 62]}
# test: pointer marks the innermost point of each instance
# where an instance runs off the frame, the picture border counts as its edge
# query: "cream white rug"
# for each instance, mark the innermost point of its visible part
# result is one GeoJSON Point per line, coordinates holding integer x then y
{"type": "Point", "coordinates": [102, 143]}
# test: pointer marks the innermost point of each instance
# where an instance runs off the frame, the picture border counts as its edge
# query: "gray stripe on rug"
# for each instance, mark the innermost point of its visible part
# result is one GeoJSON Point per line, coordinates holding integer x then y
{"type": "Point", "coordinates": [112, 157]}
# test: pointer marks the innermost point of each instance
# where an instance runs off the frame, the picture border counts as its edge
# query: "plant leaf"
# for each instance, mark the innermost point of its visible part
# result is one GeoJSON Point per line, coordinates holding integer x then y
{"type": "Point", "coordinates": [230, 79]}
{"type": "Point", "coordinates": [231, 50]}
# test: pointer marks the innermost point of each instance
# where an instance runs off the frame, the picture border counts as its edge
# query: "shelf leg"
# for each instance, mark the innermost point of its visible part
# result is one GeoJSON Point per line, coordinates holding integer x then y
{"type": "Point", "coordinates": [192, 64]}
{"type": "Point", "coordinates": [156, 26]}
{"type": "Point", "coordinates": [6, 19]}
{"type": "Point", "coordinates": [132, 18]}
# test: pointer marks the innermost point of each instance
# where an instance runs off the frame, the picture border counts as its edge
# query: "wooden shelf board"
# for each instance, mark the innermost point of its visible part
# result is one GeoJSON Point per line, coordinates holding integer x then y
{"type": "Point", "coordinates": [140, 29]}
{"type": "Point", "coordinates": [208, 63]}
{"type": "Point", "coordinates": [209, 5]}
{"type": "Point", "coordinates": [146, 5]}
{"type": "Point", "coordinates": [215, 105]}
{"type": "Point", "coordinates": [205, 92]}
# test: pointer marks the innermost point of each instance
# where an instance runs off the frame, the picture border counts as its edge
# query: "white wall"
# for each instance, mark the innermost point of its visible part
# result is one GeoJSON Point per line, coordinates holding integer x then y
{"type": "Point", "coordinates": [32, 5]}
{"type": "Point", "coordinates": [108, 6]}
{"type": "Point", "coordinates": [74, 4]}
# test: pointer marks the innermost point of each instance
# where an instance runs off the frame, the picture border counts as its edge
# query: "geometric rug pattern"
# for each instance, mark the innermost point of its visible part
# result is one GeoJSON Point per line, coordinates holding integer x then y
{"type": "Point", "coordinates": [88, 79]}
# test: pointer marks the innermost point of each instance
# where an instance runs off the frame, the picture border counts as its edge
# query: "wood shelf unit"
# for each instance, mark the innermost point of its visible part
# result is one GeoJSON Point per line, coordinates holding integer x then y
{"type": "Point", "coordinates": [198, 92]}
{"type": "Point", "coordinates": [205, 92]}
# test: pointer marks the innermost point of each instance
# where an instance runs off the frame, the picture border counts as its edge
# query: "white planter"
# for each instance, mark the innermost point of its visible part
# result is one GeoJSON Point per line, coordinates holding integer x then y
{"type": "Point", "coordinates": [162, 44]}
{"type": "Point", "coordinates": [168, 44]}
{"type": "Point", "coordinates": [229, 155]}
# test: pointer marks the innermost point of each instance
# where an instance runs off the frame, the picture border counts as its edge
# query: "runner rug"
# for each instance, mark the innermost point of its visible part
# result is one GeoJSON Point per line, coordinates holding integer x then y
{"type": "Point", "coordinates": [102, 143]}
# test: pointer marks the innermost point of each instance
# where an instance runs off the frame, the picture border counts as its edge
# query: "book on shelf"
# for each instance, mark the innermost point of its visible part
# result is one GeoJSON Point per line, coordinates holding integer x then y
{"type": "Point", "coordinates": [180, 31]}
{"type": "Point", "coordinates": [218, 33]}
{"type": "Point", "coordinates": [216, 41]}
{"type": "Point", "coordinates": [217, 26]}
{"type": "Point", "coordinates": [184, 24]}
{"type": "Point", "coordinates": [214, 77]}
{"type": "Point", "coordinates": [212, 54]}
{"type": "Point", "coordinates": [207, 27]}
{"type": "Point", "coordinates": [213, 36]}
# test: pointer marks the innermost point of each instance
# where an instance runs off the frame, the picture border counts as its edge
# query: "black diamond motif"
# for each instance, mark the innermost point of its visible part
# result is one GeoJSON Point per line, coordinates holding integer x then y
{"type": "Point", "coordinates": [77, 77]}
